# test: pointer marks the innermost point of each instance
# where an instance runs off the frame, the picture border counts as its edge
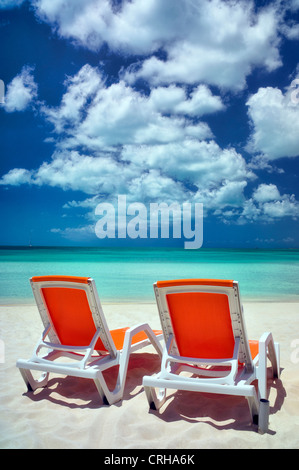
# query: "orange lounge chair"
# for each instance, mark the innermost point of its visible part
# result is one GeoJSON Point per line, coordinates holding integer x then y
{"type": "Point", "coordinates": [75, 325]}
{"type": "Point", "coordinates": [205, 334]}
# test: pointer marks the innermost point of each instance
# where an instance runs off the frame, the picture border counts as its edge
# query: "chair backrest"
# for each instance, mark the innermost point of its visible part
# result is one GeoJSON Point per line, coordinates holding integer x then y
{"type": "Point", "coordinates": [204, 316]}
{"type": "Point", "coordinates": [72, 307]}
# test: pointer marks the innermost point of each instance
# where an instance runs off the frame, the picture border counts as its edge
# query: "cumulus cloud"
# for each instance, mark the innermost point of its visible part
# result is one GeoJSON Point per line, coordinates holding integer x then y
{"type": "Point", "coordinates": [120, 115]}
{"type": "Point", "coordinates": [79, 172]}
{"type": "Point", "coordinates": [228, 194]}
{"type": "Point", "coordinates": [291, 31]}
{"type": "Point", "coordinates": [222, 42]}
{"type": "Point", "coordinates": [154, 145]}
{"type": "Point", "coordinates": [275, 121]}
{"type": "Point", "coordinates": [210, 41]}
{"type": "Point", "coordinates": [200, 163]}
{"type": "Point", "coordinates": [268, 204]}
{"type": "Point", "coordinates": [266, 193]}
{"type": "Point", "coordinates": [80, 88]}
{"type": "Point", "coordinates": [191, 170]}
{"type": "Point", "coordinates": [173, 99]}
{"type": "Point", "coordinates": [273, 204]}
{"type": "Point", "coordinates": [16, 177]}
{"type": "Point", "coordinates": [286, 207]}
{"type": "Point", "coordinates": [113, 139]}
{"type": "Point", "coordinates": [99, 116]}
{"type": "Point", "coordinates": [136, 27]}
{"type": "Point", "coordinates": [21, 91]}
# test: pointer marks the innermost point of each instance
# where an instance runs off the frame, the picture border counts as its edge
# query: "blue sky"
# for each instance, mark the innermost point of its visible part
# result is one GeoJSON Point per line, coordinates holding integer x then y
{"type": "Point", "coordinates": [164, 101]}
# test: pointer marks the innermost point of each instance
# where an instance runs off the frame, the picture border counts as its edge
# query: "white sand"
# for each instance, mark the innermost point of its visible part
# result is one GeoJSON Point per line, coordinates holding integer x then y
{"type": "Point", "coordinates": [69, 414]}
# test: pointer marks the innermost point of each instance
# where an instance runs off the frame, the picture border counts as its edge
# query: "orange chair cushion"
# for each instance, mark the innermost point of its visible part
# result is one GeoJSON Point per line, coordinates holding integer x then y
{"type": "Point", "coordinates": [202, 325]}
{"type": "Point", "coordinates": [118, 337]}
{"type": "Point", "coordinates": [254, 348]}
{"type": "Point", "coordinates": [72, 319]}
{"type": "Point", "coordinates": [71, 316]}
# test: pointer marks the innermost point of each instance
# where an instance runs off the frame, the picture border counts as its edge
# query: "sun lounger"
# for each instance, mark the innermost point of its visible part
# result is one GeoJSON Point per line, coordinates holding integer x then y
{"type": "Point", "coordinates": [205, 336]}
{"type": "Point", "coordinates": [76, 329]}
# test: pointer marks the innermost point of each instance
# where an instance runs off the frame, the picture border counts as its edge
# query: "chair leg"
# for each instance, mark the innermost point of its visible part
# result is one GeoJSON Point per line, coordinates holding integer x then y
{"type": "Point", "coordinates": [274, 355]}
{"type": "Point", "coordinates": [32, 383]}
{"type": "Point", "coordinates": [253, 408]}
{"type": "Point", "coordinates": [109, 397]}
{"type": "Point", "coordinates": [117, 394]}
{"type": "Point", "coordinates": [104, 398]}
{"type": "Point", "coordinates": [263, 419]}
{"type": "Point", "coordinates": [267, 349]}
{"type": "Point", "coordinates": [155, 400]}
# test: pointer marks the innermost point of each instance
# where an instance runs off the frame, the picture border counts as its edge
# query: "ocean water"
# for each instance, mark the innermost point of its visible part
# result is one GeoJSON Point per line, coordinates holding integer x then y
{"type": "Point", "coordinates": [129, 274]}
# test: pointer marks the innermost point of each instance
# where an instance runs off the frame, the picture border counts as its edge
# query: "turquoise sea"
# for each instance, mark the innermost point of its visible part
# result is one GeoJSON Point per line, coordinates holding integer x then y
{"type": "Point", "coordinates": [128, 274]}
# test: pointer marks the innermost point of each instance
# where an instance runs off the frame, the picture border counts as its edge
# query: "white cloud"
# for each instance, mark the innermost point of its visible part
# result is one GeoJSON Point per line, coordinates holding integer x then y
{"type": "Point", "coordinates": [135, 27]}
{"type": "Point", "coordinates": [193, 170]}
{"type": "Point", "coordinates": [173, 99]}
{"type": "Point", "coordinates": [90, 174]}
{"type": "Point", "coordinates": [266, 193]}
{"type": "Point", "coordinates": [153, 185]}
{"type": "Point", "coordinates": [287, 207]}
{"type": "Point", "coordinates": [167, 99]}
{"type": "Point", "coordinates": [210, 41]}
{"type": "Point", "coordinates": [215, 177]}
{"type": "Point", "coordinates": [201, 163]}
{"type": "Point", "coordinates": [113, 139]}
{"type": "Point", "coordinates": [145, 146]}
{"type": "Point", "coordinates": [99, 117]}
{"type": "Point", "coordinates": [249, 212]}
{"type": "Point", "coordinates": [275, 121]}
{"type": "Point", "coordinates": [228, 194]}
{"type": "Point", "coordinates": [120, 115]}
{"type": "Point", "coordinates": [71, 170]}
{"type": "Point", "coordinates": [268, 204]}
{"type": "Point", "coordinates": [80, 88]}
{"type": "Point", "coordinates": [220, 44]}
{"type": "Point", "coordinates": [133, 143]}
{"type": "Point", "coordinates": [16, 177]}
{"type": "Point", "coordinates": [291, 31]}
{"type": "Point", "coordinates": [21, 91]}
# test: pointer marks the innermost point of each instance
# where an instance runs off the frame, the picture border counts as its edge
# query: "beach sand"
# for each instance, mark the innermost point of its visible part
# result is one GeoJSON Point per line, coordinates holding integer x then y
{"type": "Point", "coordinates": [68, 414]}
